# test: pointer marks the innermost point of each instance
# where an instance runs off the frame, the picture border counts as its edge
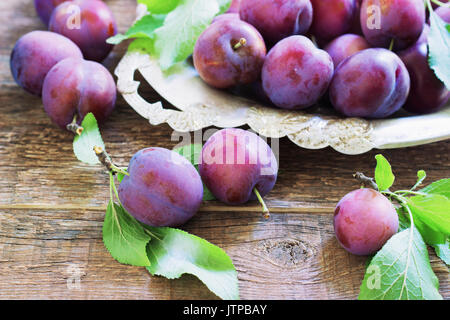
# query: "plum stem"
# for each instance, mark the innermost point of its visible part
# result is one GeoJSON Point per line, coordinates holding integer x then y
{"type": "Point", "coordinates": [74, 127]}
{"type": "Point", "coordinates": [314, 40]}
{"type": "Point", "coordinates": [391, 45]}
{"type": "Point", "coordinates": [106, 160]}
{"type": "Point", "coordinates": [242, 42]}
{"type": "Point", "coordinates": [366, 181]}
{"type": "Point", "coordinates": [266, 212]}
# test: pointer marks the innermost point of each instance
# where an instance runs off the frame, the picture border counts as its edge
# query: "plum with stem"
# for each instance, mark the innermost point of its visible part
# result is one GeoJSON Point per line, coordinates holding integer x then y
{"type": "Point", "coordinates": [397, 21]}
{"type": "Point", "coordinates": [75, 87]}
{"type": "Point", "coordinates": [229, 52]}
{"type": "Point", "coordinates": [238, 166]}
{"type": "Point", "coordinates": [364, 220]}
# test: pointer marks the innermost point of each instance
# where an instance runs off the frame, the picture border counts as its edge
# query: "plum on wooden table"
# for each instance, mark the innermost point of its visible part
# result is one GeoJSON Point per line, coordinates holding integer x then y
{"type": "Point", "coordinates": [163, 188]}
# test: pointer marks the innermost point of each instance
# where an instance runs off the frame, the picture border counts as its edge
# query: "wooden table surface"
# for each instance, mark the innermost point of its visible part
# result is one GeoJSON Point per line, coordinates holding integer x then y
{"type": "Point", "coordinates": [52, 206]}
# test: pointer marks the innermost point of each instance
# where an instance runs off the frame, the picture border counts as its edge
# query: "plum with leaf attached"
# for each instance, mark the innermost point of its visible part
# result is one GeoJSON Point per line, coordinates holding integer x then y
{"type": "Point", "coordinates": [428, 94]}
{"type": "Point", "coordinates": [364, 220]}
{"type": "Point", "coordinates": [163, 188]}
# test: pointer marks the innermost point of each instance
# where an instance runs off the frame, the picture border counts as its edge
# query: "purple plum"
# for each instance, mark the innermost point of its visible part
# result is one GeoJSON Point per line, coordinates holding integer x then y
{"type": "Point", "coordinates": [229, 52]}
{"type": "Point", "coordinates": [345, 46]}
{"type": "Point", "coordinates": [35, 54]}
{"type": "Point", "coordinates": [428, 94]}
{"type": "Point", "coordinates": [75, 87]}
{"type": "Point", "coordinates": [278, 19]}
{"type": "Point", "coordinates": [234, 162]}
{"type": "Point", "coordinates": [332, 18]}
{"type": "Point", "coordinates": [364, 220]}
{"type": "Point", "coordinates": [400, 21]}
{"type": "Point", "coordinates": [163, 188]}
{"type": "Point", "coordinates": [44, 8]}
{"type": "Point", "coordinates": [88, 23]}
{"type": "Point", "coordinates": [296, 74]}
{"type": "Point", "coordinates": [373, 83]}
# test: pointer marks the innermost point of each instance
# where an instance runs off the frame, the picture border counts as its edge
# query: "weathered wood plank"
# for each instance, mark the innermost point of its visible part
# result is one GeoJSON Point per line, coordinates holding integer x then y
{"type": "Point", "coordinates": [291, 256]}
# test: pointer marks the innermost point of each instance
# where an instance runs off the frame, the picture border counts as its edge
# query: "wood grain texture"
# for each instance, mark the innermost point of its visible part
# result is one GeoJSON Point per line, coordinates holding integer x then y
{"type": "Point", "coordinates": [52, 206]}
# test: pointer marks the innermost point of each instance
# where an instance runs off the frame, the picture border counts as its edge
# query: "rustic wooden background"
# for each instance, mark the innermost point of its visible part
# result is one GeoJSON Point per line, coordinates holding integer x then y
{"type": "Point", "coordinates": [52, 206]}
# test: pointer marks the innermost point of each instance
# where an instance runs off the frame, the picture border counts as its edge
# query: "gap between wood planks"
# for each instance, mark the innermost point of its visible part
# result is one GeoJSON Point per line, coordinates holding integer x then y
{"type": "Point", "coordinates": [205, 208]}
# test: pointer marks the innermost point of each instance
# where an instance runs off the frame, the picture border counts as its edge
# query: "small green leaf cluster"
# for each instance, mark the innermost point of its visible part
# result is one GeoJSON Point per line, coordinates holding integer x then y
{"type": "Point", "coordinates": [171, 28]}
{"type": "Point", "coordinates": [401, 269]}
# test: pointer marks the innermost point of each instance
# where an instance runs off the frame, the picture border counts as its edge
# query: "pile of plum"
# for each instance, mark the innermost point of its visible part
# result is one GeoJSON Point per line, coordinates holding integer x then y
{"type": "Point", "coordinates": [62, 64]}
{"type": "Point", "coordinates": [364, 69]}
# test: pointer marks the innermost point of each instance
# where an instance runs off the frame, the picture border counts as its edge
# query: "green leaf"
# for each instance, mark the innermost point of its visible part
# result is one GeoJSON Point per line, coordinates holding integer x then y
{"type": "Point", "coordinates": [401, 270]}
{"type": "Point", "coordinates": [120, 176]}
{"type": "Point", "coordinates": [181, 21]}
{"type": "Point", "coordinates": [173, 252]}
{"type": "Point", "coordinates": [124, 237]}
{"type": "Point", "coordinates": [431, 215]}
{"type": "Point", "coordinates": [443, 251]}
{"type": "Point", "coordinates": [224, 5]}
{"type": "Point", "coordinates": [192, 152]}
{"type": "Point", "coordinates": [175, 40]}
{"type": "Point", "coordinates": [83, 145]}
{"type": "Point", "coordinates": [207, 194]}
{"type": "Point", "coordinates": [439, 48]}
{"type": "Point", "coordinates": [383, 173]}
{"type": "Point", "coordinates": [160, 6]}
{"type": "Point", "coordinates": [403, 219]}
{"type": "Point", "coordinates": [143, 28]}
{"type": "Point", "coordinates": [421, 175]}
{"type": "Point", "coordinates": [144, 45]}
{"type": "Point", "coordinates": [441, 187]}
